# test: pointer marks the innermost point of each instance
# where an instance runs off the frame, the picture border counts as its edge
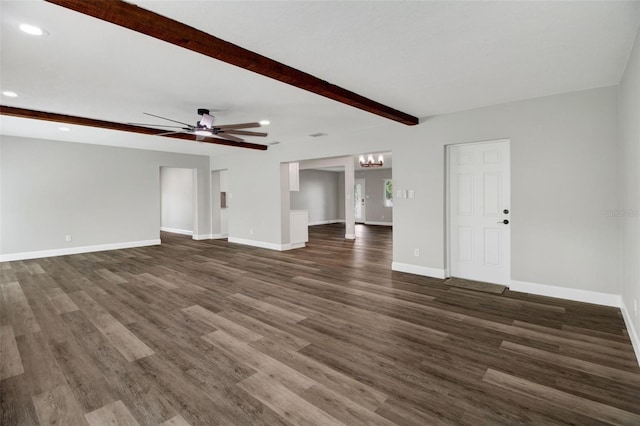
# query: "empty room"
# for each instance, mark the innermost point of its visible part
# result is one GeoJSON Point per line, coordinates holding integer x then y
{"type": "Point", "coordinates": [319, 212]}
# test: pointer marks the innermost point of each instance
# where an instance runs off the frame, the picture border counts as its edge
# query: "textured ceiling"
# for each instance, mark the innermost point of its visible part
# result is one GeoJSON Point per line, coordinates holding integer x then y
{"type": "Point", "coordinates": [423, 58]}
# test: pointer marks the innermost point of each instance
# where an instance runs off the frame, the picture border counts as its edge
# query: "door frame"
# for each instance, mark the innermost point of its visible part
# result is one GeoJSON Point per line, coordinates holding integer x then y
{"type": "Point", "coordinates": [364, 197]}
{"type": "Point", "coordinates": [447, 204]}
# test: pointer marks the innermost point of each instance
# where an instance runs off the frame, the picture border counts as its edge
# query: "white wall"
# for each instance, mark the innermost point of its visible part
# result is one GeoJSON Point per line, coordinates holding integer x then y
{"type": "Point", "coordinates": [564, 178]}
{"type": "Point", "coordinates": [319, 194]}
{"type": "Point", "coordinates": [629, 209]}
{"type": "Point", "coordinates": [375, 210]}
{"type": "Point", "coordinates": [176, 200]}
{"type": "Point", "coordinates": [98, 194]}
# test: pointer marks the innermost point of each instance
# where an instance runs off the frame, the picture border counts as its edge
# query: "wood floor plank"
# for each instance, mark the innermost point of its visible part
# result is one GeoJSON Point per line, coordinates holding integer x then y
{"type": "Point", "coordinates": [580, 365]}
{"type": "Point", "coordinates": [10, 361]}
{"type": "Point", "coordinates": [41, 370]}
{"type": "Point", "coordinates": [259, 361]}
{"type": "Point", "coordinates": [366, 396]}
{"type": "Point", "coordinates": [126, 380]}
{"type": "Point", "coordinates": [268, 308]}
{"type": "Point", "coordinates": [552, 396]}
{"type": "Point", "coordinates": [58, 407]}
{"type": "Point", "coordinates": [175, 421]}
{"type": "Point", "coordinates": [157, 281]}
{"type": "Point", "coordinates": [110, 276]}
{"type": "Point", "coordinates": [17, 310]}
{"type": "Point", "coordinates": [222, 323]}
{"type": "Point", "coordinates": [287, 404]}
{"type": "Point", "coordinates": [16, 404]}
{"type": "Point", "coordinates": [342, 408]}
{"type": "Point", "coordinates": [86, 380]}
{"type": "Point", "coordinates": [270, 333]}
{"type": "Point", "coordinates": [61, 302]}
{"type": "Point", "coordinates": [129, 345]}
{"type": "Point", "coordinates": [120, 337]}
{"type": "Point", "coordinates": [115, 413]}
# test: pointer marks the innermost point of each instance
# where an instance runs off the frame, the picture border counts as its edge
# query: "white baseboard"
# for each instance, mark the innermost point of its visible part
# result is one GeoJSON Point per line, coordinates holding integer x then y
{"type": "Point", "coordinates": [379, 223]}
{"type": "Point", "coordinates": [176, 231]}
{"type": "Point", "coordinates": [418, 270]}
{"type": "Point", "coordinates": [218, 236]}
{"type": "Point", "coordinates": [325, 222]}
{"type": "Point", "coordinates": [209, 236]}
{"type": "Point", "coordinates": [350, 236]}
{"type": "Point", "coordinates": [75, 250]}
{"type": "Point", "coordinates": [631, 329]}
{"type": "Point", "coordinates": [261, 244]}
{"type": "Point", "coordinates": [297, 245]}
{"type": "Point", "coordinates": [577, 295]}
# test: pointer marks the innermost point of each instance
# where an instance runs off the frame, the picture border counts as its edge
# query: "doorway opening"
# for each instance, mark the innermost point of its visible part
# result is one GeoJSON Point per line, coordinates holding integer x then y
{"type": "Point", "coordinates": [359, 201]}
{"type": "Point", "coordinates": [220, 200]}
{"type": "Point", "coordinates": [178, 200]}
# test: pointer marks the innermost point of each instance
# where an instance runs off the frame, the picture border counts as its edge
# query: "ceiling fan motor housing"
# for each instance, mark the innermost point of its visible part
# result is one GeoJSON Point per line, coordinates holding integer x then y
{"type": "Point", "coordinates": [202, 111]}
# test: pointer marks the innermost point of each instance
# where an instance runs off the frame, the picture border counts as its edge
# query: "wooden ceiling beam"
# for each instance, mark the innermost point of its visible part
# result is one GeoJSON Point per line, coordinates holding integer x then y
{"type": "Point", "coordinates": [162, 28]}
{"type": "Point", "coordinates": [110, 125]}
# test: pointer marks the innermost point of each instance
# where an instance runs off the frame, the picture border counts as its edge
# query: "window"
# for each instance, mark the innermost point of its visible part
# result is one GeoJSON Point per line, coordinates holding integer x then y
{"type": "Point", "coordinates": [388, 193]}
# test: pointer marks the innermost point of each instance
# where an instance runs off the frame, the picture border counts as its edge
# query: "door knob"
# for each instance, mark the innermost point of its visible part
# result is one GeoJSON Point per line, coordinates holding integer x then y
{"type": "Point", "coordinates": [505, 211]}
{"type": "Point", "coordinates": [506, 222]}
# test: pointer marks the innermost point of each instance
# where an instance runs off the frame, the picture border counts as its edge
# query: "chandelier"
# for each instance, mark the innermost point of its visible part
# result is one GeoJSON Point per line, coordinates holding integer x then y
{"type": "Point", "coordinates": [370, 162]}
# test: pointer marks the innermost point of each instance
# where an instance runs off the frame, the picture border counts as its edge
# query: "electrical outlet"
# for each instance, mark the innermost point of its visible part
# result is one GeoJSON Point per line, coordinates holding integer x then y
{"type": "Point", "coordinates": [251, 231]}
{"type": "Point", "coordinates": [67, 238]}
{"type": "Point", "coordinates": [416, 252]}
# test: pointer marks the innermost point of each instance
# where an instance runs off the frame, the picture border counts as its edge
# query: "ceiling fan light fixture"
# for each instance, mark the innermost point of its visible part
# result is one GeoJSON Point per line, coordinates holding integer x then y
{"type": "Point", "coordinates": [206, 121]}
{"type": "Point", "coordinates": [203, 132]}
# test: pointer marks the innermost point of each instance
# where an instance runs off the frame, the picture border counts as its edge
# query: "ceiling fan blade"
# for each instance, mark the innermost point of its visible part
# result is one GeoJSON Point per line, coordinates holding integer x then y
{"type": "Point", "coordinates": [155, 125]}
{"type": "Point", "coordinates": [227, 137]}
{"type": "Point", "coordinates": [168, 119]}
{"type": "Point", "coordinates": [170, 133]}
{"type": "Point", "coordinates": [243, 132]}
{"type": "Point", "coordinates": [237, 126]}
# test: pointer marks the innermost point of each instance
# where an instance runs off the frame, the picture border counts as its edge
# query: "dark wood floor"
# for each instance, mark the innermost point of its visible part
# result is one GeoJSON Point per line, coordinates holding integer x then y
{"type": "Point", "coordinates": [207, 332]}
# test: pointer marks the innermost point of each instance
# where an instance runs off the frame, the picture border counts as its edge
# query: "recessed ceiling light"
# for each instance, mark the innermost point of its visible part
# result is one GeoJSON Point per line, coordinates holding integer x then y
{"type": "Point", "coordinates": [10, 94]}
{"type": "Point", "coordinates": [265, 122]}
{"type": "Point", "coordinates": [31, 29]}
{"type": "Point", "coordinates": [64, 129]}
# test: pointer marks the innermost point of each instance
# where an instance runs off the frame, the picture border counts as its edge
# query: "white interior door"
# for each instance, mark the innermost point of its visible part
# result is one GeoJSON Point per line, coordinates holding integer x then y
{"type": "Point", "coordinates": [480, 211]}
{"type": "Point", "coordinates": [359, 200]}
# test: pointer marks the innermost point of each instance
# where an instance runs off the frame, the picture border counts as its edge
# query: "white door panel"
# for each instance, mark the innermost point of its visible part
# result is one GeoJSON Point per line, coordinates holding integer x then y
{"type": "Point", "coordinates": [479, 195]}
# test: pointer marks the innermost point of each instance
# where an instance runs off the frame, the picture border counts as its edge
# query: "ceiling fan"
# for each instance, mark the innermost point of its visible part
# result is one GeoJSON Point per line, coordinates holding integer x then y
{"type": "Point", "coordinates": [205, 128]}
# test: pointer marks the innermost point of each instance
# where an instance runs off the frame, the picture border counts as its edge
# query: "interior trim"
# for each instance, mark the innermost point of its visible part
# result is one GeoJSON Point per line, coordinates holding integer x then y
{"type": "Point", "coordinates": [578, 295]}
{"type": "Point", "coordinates": [418, 270]}
{"type": "Point", "coordinates": [75, 250]}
